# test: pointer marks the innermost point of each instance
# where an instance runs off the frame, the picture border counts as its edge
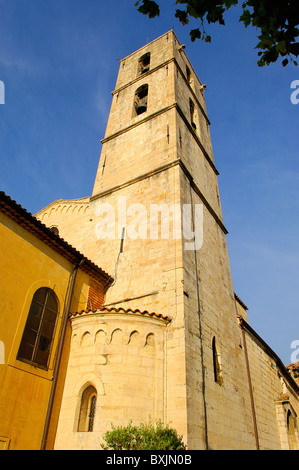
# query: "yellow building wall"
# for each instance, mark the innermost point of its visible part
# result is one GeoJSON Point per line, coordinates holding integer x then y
{"type": "Point", "coordinates": [26, 264]}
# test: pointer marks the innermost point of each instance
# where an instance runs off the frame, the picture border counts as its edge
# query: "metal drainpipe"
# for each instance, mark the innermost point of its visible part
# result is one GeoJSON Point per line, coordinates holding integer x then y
{"type": "Point", "coordinates": [58, 360]}
{"type": "Point", "coordinates": [250, 386]}
{"type": "Point", "coordinates": [200, 328]}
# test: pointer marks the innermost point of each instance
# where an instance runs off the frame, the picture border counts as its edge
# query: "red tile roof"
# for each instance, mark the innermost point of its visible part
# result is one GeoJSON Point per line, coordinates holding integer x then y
{"type": "Point", "coordinates": [240, 301]}
{"type": "Point", "coordinates": [124, 311]}
{"type": "Point", "coordinates": [23, 218]}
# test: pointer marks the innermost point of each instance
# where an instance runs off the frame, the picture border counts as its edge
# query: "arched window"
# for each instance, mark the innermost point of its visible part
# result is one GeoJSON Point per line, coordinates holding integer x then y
{"type": "Point", "coordinates": [291, 425]}
{"type": "Point", "coordinates": [54, 229]}
{"type": "Point", "coordinates": [39, 330]}
{"type": "Point", "coordinates": [140, 101]}
{"type": "Point", "coordinates": [144, 63]}
{"type": "Point", "coordinates": [216, 362]}
{"type": "Point", "coordinates": [87, 410]}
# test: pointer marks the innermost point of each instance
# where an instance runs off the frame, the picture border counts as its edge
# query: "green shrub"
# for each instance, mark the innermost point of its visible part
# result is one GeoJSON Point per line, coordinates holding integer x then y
{"type": "Point", "coordinates": [143, 437]}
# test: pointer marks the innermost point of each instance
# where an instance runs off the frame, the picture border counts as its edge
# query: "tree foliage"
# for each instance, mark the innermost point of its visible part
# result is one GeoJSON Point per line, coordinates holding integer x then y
{"type": "Point", "coordinates": [276, 22]}
{"type": "Point", "coordinates": [143, 437]}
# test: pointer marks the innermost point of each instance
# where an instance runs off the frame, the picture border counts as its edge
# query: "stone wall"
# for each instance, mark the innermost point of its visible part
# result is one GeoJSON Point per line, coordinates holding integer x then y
{"type": "Point", "coordinates": [120, 354]}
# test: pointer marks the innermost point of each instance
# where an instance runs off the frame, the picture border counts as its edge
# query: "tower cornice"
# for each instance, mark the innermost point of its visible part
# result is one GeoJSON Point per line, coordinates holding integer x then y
{"type": "Point", "coordinates": [154, 115]}
{"type": "Point", "coordinates": [159, 170]}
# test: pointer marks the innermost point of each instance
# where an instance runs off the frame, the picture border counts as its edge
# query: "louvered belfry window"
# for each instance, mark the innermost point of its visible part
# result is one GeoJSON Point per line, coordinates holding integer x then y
{"type": "Point", "coordinates": [144, 63]}
{"type": "Point", "coordinates": [140, 102]}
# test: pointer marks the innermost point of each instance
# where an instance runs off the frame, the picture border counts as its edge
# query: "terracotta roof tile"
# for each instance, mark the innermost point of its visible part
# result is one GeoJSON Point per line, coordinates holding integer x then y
{"type": "Point", "coordinates": [123, 310]}
{"type": "Point", "coordinates": [20, 215]}
{"type": "Point", "coordinates": [240, 301]}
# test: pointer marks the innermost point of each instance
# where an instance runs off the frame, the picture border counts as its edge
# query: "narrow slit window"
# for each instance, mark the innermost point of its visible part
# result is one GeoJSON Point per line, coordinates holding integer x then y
{"type": "Point", "coordinates": [140, 101]}
{"type": "Point", "coordinates": [192, 112]}
{"type": "Point", "coordinates": [188, 75]}
{"type": "Point", "coordinates": [216, 363]}
{"type": "Point", "coordinates": [144, 63]}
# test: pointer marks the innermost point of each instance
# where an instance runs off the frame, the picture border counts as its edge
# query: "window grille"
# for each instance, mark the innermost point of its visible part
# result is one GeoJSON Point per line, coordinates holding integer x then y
{"type": "Point", "coordinates": [92, 412]}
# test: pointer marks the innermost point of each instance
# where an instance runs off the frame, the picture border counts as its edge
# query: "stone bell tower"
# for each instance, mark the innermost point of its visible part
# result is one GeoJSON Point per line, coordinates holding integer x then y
{"type": "Point", "coordinates": [157, 151]}
{"type": "Point", "coordinates": [154, 223]}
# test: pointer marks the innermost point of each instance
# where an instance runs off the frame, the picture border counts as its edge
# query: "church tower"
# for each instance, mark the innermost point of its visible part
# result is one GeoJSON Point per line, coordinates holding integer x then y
{"type": "Point", "coordinates": [167, 343]}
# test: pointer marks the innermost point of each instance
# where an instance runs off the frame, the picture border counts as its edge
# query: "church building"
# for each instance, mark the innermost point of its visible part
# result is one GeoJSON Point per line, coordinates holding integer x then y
{"type": "Point", "coordinates": [156, 331]}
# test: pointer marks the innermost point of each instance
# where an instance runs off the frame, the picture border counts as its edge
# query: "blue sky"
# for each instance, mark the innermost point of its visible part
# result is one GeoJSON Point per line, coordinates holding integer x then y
{"type": "Point", "coordinates": [59, 63]}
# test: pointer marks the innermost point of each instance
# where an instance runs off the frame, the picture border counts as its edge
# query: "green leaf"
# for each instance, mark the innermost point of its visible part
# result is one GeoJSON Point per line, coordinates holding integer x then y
{"type": "Point", "coordinates": [182, 16]}
{"type": "Point", "coordinates": [294, 49]}
{"type": "Point", "coordinates": [246, 18]}
{"type": "Point", "coordinates": [276, 22]}
{"type": "Point", "coordinates": [195, 34]}
{"type": "Point", "coordinates": [285, 62]}
{"type": "Point", "coordinates": [261, 63]}
{"type": "Point", "coordinates": [281, 47]}
{"type": "Point", "coordinates": [230, 3]}
{"type": "Point", "coordinates": [143, 437]}
{"type": "Point", "coordinates": [150, 8]}
{"type": "Point", "coordinates": [215, 14]}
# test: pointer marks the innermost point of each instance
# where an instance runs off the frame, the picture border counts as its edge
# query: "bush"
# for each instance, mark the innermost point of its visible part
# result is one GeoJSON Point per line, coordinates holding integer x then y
{"type": "Point", "coordinates": [143, 437]}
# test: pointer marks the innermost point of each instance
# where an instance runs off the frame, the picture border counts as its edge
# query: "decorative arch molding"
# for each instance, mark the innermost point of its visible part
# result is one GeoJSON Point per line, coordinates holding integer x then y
{"type": "Point", "coordinates": [86, 380]}
{"type": "Point", "coordinates": [102, 337]}
{"type": "Point", "coordinates": [61, 206]}
{"type": "Point", "coordinates": [86, 339]}
{"type": "Point", "coordinates": [117, 336]}
{"type": "Point", "coordinates": [134, 328]}
{"type": "Point", "coordinates": [134, 338]}
{"type": "Point", "coordinates": [150, 340]}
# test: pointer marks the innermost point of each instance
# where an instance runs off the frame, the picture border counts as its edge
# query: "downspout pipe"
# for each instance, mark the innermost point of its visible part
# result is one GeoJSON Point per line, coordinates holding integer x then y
{"type": "Point", "coordinates": [250, 384]}
{"type": "Point", "coordinates": [200, 327]}
{"type": "Point", "coordinates": [58, 359]}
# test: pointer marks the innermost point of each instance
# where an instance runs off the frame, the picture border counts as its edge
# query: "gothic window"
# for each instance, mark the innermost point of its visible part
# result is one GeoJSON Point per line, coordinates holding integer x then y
{"type": "Point", "coordinates": [39, 330]}
{"type": "Point", "coordinates": [216, 362]}
{"type": "Point", "coordinates": [144, 63]}
{"type": "Point", "coordinates": [188, 75]}
{"type": "Point", "coordinates": [140, 101]}
{"type": "Point", "coordinates": [291, 426]}
{"type": "Point", "coordinates": [87, 410]}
